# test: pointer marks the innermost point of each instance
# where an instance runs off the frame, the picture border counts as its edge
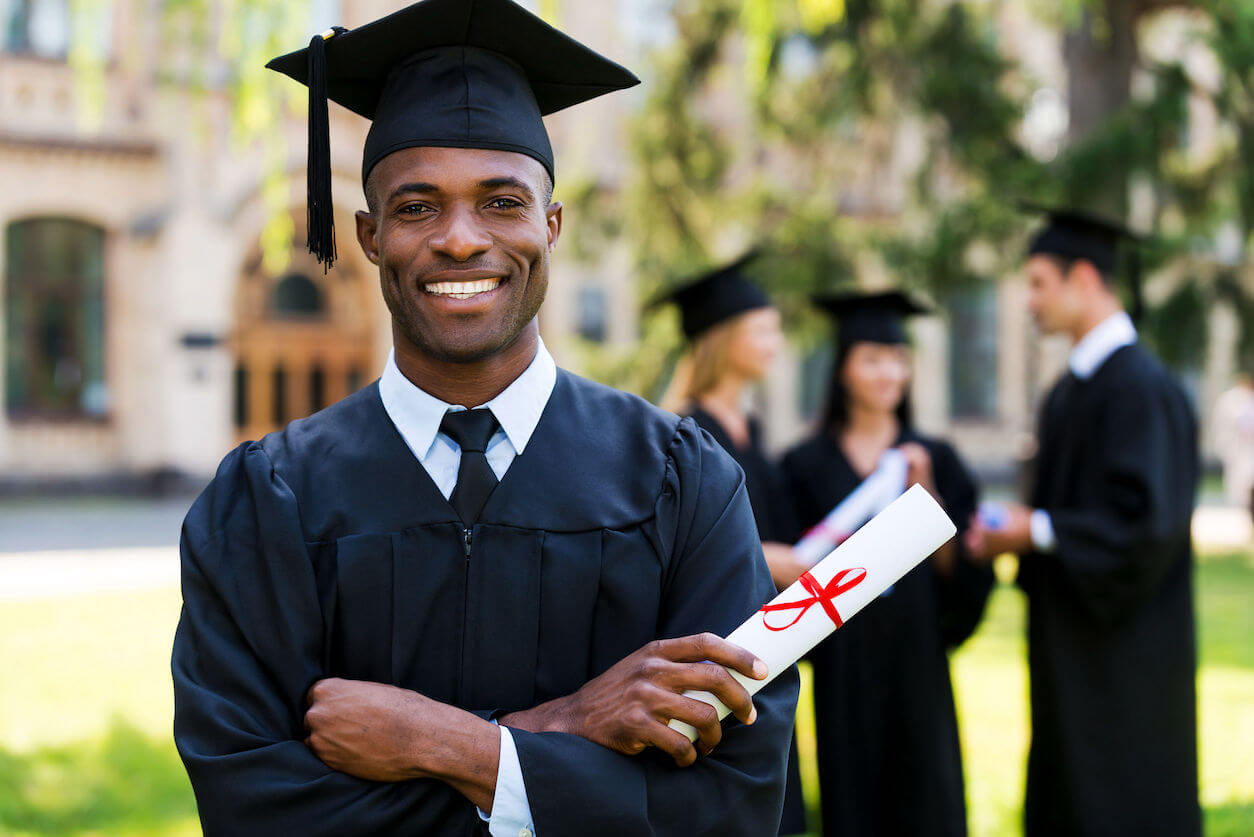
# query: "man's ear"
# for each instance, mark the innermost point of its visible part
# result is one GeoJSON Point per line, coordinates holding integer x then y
{"type": "Point", "coordinates": [1086, 273]}
{"type": "Point", "coordinates": [553, 218]}
{"type": "Point", "coordinates": [367, 227]}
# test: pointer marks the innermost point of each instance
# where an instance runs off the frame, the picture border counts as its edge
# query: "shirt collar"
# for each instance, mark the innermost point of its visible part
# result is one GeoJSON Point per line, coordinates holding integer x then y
{"type": "Point", "coordinates": [417, 413]}
{"type": "Point", "coordinates": [519, 406]}
{"type": "Point", "coordinates": [1106, 338]}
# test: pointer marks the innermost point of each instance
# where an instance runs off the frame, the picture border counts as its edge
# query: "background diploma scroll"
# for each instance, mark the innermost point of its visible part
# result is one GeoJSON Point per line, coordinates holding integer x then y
{"type": "Point", "coordinates": [891, 544]}
{"type": "Point", "coordinates": [873, 495]}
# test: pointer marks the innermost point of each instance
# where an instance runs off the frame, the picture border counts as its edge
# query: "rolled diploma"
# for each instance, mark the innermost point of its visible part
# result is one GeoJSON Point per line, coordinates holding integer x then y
{"type": "Point", "coordinates": [874, 494]}
{"type": "Point", "coordinates": [891, 544]}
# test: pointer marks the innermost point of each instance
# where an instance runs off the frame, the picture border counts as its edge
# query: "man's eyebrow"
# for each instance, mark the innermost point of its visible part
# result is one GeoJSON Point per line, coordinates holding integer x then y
{"type": "Point", "coordinates": [424, 188]}
{"type": "Point", "coordinates": [499, 182]}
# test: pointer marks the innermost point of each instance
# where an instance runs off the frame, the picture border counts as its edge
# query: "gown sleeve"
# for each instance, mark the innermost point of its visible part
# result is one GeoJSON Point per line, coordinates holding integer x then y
{"type": "Point", "coordinates": [247, 648]}
{"type": "Point", "coordinates": [715, 577]}
{"type": "Point", "coordinates": [1115, 551]}
{"type": "Point", "coordinates": [963, 593]}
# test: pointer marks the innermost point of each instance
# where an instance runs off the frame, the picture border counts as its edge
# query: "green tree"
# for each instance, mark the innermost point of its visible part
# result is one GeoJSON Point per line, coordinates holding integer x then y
{"type": "Point", "coordinates": [818, 94]}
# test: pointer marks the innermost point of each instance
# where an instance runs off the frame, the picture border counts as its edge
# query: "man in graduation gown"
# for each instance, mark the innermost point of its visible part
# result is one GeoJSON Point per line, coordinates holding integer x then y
{"type": "Point", "coordinates": [402, 616]}
{"type": "Point", "coordinates": [1106, 562]}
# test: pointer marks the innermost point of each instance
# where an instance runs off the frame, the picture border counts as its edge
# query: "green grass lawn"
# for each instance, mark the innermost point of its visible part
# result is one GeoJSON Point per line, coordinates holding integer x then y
{"type": "Point", "coordinates": [85, 713]}
{"type": "Point", "coordinates": [86, 709]}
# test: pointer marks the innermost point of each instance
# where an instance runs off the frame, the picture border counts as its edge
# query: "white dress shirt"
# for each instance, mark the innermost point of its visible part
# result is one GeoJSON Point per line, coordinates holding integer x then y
{"type": "Point", "coordinates": [1096, 347]}
{"type": "Point", "coordinates": [1087, 356]}
{"type": "Point", "coordinates": [417, 415]}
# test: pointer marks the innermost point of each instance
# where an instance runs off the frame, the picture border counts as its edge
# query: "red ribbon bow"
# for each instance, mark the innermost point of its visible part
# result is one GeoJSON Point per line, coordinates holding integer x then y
{"type": "Point", "coordinates": [819, 595]}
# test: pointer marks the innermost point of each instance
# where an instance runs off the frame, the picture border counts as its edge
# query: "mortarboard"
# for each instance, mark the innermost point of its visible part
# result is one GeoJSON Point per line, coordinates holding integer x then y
{"type": "Point", "coordinates": [870, 318]}
{"type": "Point", "coordinates": [447, 73]}
{"type": "Point", "coordinates": [715, 296]}
{"type": "Point", "coordinates": [1073, 234]}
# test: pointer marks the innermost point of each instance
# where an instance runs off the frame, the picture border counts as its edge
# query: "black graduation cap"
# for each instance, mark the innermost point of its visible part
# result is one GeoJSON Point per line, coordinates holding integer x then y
{"type": "Point", "coordinates": [448, 73]}
{"type": "Point", "coordinates": [1074, 234]}
{"type": "Point", "coordinates": [715, 296]}
{"type": "Point", "coordinates": [870, 318]}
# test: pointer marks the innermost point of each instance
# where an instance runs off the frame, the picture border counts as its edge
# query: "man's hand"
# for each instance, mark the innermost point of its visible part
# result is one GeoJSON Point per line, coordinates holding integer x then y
{"type": "Point", "coordinates": [1014, 534]}
{"type": "Point", "coordinates": [783, 563]}
{"type": "Point", "coordinates": [628, 707]}
{"type": "Point", "coordinates": [388, 734]}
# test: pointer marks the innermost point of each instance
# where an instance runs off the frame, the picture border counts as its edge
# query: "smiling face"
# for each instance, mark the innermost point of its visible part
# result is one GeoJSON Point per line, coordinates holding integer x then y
{"type": "Point", "coordinates": [462, 239]}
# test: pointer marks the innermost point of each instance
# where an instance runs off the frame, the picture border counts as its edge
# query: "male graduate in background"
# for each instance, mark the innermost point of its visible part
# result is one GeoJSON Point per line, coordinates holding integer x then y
{"type": "Point", "coordinates": [371, 591]}
{"type": "Point", "coordinates": [1106, 561]}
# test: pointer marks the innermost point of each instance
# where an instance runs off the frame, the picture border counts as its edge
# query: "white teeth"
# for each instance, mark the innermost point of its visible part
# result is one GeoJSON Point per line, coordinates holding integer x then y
{"type": "Point", "coordinates": [462, 290]}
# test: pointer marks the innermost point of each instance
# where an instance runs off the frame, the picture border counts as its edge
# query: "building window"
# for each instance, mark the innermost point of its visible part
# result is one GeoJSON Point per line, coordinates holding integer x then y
{"type": "Point", "coordinates": [592, 313]}
{"type": "Point", "coordinates": [40, 27]}
{"type": "Point", "coordinates": [816, 378]}
{"type": "Point", "coordinates": [973, 352]}
{"type": "Point", "coordinates": [241, 397]}
{"type": "Point", "coordinates": [296, 295]}
{"type": "Point", "coordinates": [54, 319]}
{"type": "Point", "coordinates": [278, 396]}
{"type": "Point", "coordinates": [317, 389]}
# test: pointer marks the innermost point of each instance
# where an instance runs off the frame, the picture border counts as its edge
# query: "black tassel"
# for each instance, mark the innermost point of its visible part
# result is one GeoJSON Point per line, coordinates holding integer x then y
{"type": "Point", "coordinates": [320, 220]}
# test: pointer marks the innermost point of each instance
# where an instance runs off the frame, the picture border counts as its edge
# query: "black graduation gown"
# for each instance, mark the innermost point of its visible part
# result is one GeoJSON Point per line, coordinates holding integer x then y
{"type": "Point", "coordinates": [1110, 611]}
{"type": "Point", "coordinates": [326, 550]}
{"type": "Point", "coordinates": [888, 750]}
{"type": "Point", "coordinates": [773, 512]}
{"type": "Point", "coordinates": [772, 509]}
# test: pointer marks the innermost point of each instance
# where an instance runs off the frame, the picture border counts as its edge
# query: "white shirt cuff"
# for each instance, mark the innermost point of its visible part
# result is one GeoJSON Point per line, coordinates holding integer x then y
{"type": "Point", "coordinates": [511, 812]}
{"type": "Point", "coordinates": [1042, 529]}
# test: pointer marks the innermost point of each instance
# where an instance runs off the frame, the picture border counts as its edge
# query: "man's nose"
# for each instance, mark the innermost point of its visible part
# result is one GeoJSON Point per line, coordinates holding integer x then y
{"type": "Point", "coordinates": [462, 237]}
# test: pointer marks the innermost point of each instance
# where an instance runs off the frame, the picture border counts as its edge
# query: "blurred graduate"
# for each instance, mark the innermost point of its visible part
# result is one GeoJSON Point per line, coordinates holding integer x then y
{"type": "Point", "coordinates": [733, 333]}
{"type": "Point", "coordinates": [1105, 558]}
{"type": "Point", "coordinates": [888, 749]}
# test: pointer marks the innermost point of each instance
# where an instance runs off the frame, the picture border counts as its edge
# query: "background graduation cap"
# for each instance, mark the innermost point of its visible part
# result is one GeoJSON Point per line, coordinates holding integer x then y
{"type": "Point", "coordinates": [446, 73]}
{"type": "Point", "coordinates": [715, 296]}
{"type": "Point", "coordinates": [1073, 234]}
{"type": "Point", "coordinates": [869, 317]}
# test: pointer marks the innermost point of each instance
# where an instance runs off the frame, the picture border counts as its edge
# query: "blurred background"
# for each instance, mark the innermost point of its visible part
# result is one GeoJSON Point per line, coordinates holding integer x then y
{"type": "Point", "coordinates": [159, 306]}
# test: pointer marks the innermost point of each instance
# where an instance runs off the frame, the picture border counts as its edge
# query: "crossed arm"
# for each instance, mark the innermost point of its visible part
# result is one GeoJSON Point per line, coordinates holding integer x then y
{"type": "Point", "coordinates": [387, 734]}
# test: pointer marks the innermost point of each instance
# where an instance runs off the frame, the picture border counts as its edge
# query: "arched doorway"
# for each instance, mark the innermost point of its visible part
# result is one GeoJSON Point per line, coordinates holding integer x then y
{"type": "Point", "coordinates": [303, 339]}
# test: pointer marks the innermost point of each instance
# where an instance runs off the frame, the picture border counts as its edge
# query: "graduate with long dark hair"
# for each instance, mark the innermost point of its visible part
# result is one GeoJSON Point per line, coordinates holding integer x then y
{"type": "Point", "coordinates": [888, 752]}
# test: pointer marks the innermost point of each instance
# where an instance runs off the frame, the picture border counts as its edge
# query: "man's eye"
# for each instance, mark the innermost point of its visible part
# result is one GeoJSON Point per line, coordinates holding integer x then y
{"type": "Point", "coordinates": [414, 209]}
{"type": "Point", "coordinates": [504, 203]}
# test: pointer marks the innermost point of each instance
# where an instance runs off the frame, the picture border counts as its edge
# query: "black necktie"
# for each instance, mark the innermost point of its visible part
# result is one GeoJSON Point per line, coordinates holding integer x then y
{"type": "Point", "coordinates": [471, 430]}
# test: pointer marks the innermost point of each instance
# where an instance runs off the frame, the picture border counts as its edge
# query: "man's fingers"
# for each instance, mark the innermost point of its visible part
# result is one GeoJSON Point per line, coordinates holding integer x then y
{"type": "Point", "coordinates": [701, 647]}
{"type": "Point", "coordinates": [716, 680]}
{"type": "Point", "coordinates": [675, 744]}
{"type": "Point", "coordinates": [696, 713]}
{"type": "Point", "coordinates": [318, 689]}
